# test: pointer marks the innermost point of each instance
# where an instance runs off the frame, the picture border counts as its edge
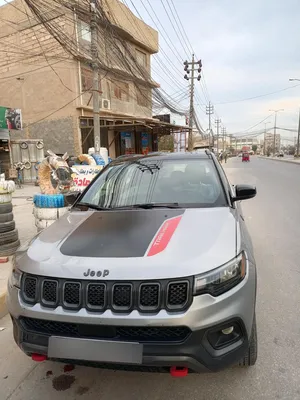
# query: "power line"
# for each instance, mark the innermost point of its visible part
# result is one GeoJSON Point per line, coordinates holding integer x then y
{"type": "Point", "coordinates": [175, 30]}
{"type": "Point", "coordinates": [259, 96]}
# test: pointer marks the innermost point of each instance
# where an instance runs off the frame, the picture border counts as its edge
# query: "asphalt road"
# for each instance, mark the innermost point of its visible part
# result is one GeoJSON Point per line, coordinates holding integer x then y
{"type": "Point", "coordinates": [273, 219]}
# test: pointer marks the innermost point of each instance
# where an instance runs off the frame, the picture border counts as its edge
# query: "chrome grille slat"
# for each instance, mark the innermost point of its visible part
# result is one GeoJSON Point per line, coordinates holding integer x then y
{"type": "Point", "coordinates": [99, 296]}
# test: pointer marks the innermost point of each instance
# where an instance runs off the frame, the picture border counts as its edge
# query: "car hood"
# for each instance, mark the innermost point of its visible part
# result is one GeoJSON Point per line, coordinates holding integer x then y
{"type": "Point", "coordinates": [133, 244]}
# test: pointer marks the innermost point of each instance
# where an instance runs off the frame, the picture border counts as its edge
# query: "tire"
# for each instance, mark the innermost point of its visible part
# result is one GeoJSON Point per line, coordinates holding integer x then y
{"type": "Point", "coordinates": [9, 237]}
{"type": "Point", "coordinates": [27, 165]}
{"type": "Point", "coordinates": [251, 355]}
{"type": "Point", "coordinates": [5, 208]}
{"type": "Point", "coordinates": [49, 213]}
{"type": "Point", "coordinates": [7, 226]}
{"type": "Point", "coordinates": [49, 200]}
{"type": "Point", "coordinates": [39, 145]}
{"type": "Point", "coordinates": [7, 187]}
{"type": "Point", "coordinates": [17, 122]}
{"type": "Point", "coordinates": [5, 198]}
{"type": "Point", "coordinates": [9, 249]}
{"type": "Point", "coordinates": [43, 224]}
{"type": "Point", "coordinates": [6, 217]}
{"type": "Point", "coordinates": [24, 145]}
{"type": "Point", "coordinates": [99, 159]}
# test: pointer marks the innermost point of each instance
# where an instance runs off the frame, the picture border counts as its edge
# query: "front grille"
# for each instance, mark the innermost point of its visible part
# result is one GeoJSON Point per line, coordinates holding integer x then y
{"type": "Point", "coordinates": [99, 296]}
{"type": "Point", "coordinates": [49, 292]}
{"type": "Point", "coordinates": [177, 294]}
{"type": "Point", "coordinates": [122, 296]}
{"type": "Point", "coordinates": [149, 295]}
{"type": "Point", "coordinates": [126, 333]}
{"type": "Point", "coordinates": [96, 295]}
{"type": "Point", "coordinates": [72, 294]}
{"type": "Point", "coordinates": [30, 288]}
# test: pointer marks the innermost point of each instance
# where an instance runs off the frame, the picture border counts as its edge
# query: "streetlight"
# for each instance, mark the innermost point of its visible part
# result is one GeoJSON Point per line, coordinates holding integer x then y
{"type": "Point", "coordinates": [275, 111]}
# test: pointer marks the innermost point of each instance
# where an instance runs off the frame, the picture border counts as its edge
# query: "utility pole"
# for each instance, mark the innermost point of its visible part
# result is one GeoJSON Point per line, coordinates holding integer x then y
{"type": "Point", "coordinates": [209, 112]}
{"type": "Point", "coordinates": [193, 63]}
{"type": "Point", "coordinates": [275, 127]}
{"type": "Point", "coordinates": [298, 139]}
{"type": "Point", "coordinates": [96, 93]}
{"type": "Point", "coordinates": [218, 121]}
{"type": "Point", "coordinates": [265, 135]}
{"type": "Point", "coordinates": [224, 134]}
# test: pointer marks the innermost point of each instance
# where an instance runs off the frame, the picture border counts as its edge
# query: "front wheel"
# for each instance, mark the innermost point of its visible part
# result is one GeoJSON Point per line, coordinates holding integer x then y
{"type": "Point", "coordinates": [251, 354]}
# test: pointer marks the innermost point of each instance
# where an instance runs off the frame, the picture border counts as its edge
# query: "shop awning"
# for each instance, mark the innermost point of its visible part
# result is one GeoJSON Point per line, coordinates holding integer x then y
{"type": "Point", "coordinates": [121, 122]}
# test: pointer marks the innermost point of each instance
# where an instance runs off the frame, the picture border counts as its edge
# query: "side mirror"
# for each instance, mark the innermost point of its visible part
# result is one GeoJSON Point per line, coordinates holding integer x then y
{"type": "Point", "coordinates": [244, 192]}
{"type": "Point", "coordinates": [71, 197]}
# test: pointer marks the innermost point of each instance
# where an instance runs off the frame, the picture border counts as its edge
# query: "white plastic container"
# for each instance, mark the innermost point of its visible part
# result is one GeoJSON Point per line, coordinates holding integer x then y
{"type": "Point", "coordinates": [104, 154]}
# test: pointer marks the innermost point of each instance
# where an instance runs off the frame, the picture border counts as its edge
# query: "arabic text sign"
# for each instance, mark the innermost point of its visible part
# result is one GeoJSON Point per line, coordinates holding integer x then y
{"type": "Point", "coordinates": [84, 174]}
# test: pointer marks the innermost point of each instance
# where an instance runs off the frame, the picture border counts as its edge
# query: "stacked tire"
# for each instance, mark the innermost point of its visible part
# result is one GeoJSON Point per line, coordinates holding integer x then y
{"type": "Point", "coordinates": [47, 209]}
{"type": "Point", "coordinates": [9, 237]}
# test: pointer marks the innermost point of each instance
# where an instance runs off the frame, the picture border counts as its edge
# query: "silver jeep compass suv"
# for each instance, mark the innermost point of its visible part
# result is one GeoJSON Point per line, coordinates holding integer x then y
{"type": "Point", "coordinates": [153, 267]}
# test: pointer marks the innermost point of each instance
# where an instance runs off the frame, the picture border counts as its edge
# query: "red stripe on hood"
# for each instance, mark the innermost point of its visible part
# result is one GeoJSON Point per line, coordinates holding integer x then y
{"type": "Point", "coordinates": [163, 236]}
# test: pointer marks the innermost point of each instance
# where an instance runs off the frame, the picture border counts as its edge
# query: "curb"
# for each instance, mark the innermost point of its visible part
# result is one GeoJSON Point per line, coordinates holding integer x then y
{"type": "Point", "coordinates": [280, 160]}
{"type": "Point", "coordinates": [3, 308]}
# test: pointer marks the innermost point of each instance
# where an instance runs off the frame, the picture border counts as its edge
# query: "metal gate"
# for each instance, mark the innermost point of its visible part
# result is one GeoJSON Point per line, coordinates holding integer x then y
{"type": "Point", "coordinates": [27, 152]}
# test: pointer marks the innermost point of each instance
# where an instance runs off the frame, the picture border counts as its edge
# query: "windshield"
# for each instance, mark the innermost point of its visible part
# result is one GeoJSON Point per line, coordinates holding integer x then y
{"type": "Point", "coordinates": [147, 181]}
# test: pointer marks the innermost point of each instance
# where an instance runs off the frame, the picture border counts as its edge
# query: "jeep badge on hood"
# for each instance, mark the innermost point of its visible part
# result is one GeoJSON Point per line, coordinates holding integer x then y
{"type": "Point", "coordinates": [96, 273]}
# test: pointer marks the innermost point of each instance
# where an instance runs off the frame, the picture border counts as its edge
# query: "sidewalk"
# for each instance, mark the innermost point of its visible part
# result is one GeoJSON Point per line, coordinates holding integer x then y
{"type": "Point", "coordinates": [282, 159]}
{"type": "Point", "coordinates": [22, 209]}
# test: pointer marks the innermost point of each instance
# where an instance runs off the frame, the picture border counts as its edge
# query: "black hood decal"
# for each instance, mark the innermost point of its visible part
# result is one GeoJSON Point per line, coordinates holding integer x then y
{"type": "Point", "coordinates": [114, 234]}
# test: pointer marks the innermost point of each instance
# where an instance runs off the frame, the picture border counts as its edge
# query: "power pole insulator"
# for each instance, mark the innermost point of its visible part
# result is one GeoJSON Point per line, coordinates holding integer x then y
{"type": "Point", "coordinates": [192, 78]}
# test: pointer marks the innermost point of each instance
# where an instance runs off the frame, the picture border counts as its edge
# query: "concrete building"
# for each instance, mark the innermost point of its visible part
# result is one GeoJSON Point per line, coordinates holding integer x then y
{"type": "Point", "coordinates": [240, 143]}
{"type": "Point", "coordinates": [269, 142]}
{"type": "Point", "coordinates": [52, 86]}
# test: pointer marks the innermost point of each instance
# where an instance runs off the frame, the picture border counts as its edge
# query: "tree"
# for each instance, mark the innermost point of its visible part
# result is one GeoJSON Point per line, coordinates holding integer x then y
{"type": "Point", "coordinates": [254, 148]}
{"type": "Point", "coordinates": [166, 143]}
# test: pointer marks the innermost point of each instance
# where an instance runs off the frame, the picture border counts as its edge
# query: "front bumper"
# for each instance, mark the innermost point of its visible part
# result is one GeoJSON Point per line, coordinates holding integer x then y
{"type": "Point", "coordinates": [193, 350]}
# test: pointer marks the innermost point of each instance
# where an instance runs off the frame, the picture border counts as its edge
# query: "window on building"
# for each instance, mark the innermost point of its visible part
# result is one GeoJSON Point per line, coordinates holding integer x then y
{"type": "Point", "coordinates": [84, 31]}
{"type": "Point", "coordinates": [87, 79]}
{"type": "Point", "coordinates": [141, 58]}
{"type": "Point", "coordinates": [143, 97]}
{"type": "Point", "coordinates": [120, 90]}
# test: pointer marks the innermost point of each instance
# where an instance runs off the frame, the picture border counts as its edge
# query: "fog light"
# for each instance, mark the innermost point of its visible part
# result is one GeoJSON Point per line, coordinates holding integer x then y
{"type": "Point", "coordinates": [225, 335]}
{"type": "Point", "coordinates": [228, 331]}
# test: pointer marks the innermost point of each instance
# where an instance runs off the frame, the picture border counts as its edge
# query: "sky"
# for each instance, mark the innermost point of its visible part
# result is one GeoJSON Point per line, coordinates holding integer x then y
{"type": "Point", "coordinates": [248, 49]}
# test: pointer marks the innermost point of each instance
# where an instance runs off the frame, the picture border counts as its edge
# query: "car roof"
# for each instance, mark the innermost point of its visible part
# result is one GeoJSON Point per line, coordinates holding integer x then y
{"type": "Point", "coordinates": [202, 154]}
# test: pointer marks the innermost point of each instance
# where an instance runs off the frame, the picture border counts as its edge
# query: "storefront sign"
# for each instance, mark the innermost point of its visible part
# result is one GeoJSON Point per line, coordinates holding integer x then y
{"type": "Point", "coordinates": [145, 143]}
{"type": "Point", "coordinates": [127, 142]}
{"type": "Point", "coordinates": [84, 174]}
{"type": "Point", "coordinates": [10, 118]}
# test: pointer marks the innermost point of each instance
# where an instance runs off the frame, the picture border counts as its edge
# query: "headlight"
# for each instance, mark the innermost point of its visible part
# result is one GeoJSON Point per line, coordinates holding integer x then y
{"type": "Point", "coordinates": [222, 279]}
{"type": "Point", "coordinates": [16, 275]}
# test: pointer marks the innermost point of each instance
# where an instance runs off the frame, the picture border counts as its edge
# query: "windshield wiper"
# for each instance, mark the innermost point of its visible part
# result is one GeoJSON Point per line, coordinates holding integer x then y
{"type": "Point", "coordinates": [148, 206]}
{"type": "Point", "coordinates": [93, 206]}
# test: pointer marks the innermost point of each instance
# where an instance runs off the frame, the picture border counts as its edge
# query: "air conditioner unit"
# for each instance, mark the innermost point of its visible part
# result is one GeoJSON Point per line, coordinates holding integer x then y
{"type": "Point", "coordinates": [105, 104]}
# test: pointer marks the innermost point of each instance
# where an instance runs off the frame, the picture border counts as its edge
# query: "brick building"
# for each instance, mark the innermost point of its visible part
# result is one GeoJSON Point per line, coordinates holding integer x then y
{"type": "Point", "coordinates": [52, 87]}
